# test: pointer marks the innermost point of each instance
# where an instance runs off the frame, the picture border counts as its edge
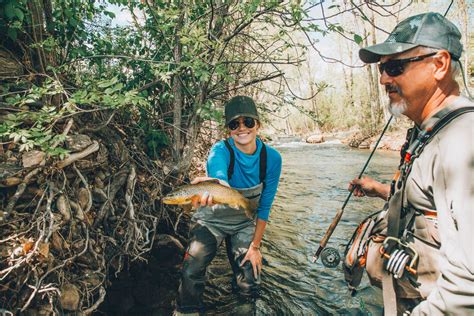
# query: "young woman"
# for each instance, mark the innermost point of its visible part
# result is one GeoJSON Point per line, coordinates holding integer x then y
{"type": "Point", "coordinates": [246, 164]}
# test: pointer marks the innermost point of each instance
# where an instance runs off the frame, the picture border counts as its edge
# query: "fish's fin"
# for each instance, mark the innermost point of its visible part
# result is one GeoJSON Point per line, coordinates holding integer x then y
{"type": "Point", "coordinates": [187, 207]}
{"type": "Point", "coordinates": [195, 199]}
{"type": "Point", "coordinates": [253, 205]}
{"type": "Point", "coordinates": [250, 207]}
{"type": "Point", "coordinates": [211, 181]}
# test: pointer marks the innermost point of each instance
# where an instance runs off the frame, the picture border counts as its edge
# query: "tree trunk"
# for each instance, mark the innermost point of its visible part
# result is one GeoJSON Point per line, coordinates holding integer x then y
{"type": "Point", "coordinates": [178, 95]}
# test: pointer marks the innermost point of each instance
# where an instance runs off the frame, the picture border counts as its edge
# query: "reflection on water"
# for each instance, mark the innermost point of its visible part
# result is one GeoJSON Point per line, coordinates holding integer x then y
{"type": "Point", "coordinates": [313, 186]}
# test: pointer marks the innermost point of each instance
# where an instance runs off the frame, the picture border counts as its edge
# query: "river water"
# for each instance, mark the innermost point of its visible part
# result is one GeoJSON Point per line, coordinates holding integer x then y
{"type": "Point", "coordinates": [313, 186]}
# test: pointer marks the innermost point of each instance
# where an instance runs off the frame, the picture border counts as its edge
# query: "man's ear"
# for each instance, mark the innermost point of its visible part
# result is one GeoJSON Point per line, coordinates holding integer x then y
{"type": "Point", "coordinates": [442, 62]}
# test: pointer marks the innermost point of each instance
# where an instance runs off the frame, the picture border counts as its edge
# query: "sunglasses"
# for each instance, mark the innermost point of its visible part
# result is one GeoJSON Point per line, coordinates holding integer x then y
{"type": "Point", "coordinates": [248, 122]}
{"type": "Point", "coordinates": [395, 67]}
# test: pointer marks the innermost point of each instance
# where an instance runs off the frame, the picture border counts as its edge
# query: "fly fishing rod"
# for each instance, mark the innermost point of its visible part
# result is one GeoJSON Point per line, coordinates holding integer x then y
{"type": "Point", "coordinates": [330, 256]}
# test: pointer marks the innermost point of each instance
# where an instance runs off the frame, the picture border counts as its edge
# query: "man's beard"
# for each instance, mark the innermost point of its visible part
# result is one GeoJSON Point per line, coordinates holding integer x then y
{"type": "Point", "coordinates": [396, 108]}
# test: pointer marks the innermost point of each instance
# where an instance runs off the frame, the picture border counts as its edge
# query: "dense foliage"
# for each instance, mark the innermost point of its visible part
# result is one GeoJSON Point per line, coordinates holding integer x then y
{"type": "Point", "coordinates": [99, 116]}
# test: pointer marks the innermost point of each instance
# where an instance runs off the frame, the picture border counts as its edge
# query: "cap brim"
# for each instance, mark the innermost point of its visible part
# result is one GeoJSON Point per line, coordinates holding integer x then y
{"type": "Point", "coordinates": [241, 114]}
{"type": "Point", "coordinates": [372, 54]}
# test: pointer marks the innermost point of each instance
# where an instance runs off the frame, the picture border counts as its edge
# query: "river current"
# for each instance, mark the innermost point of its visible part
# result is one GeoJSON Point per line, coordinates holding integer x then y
{"type": "Point", "coordinates": [313, 187]}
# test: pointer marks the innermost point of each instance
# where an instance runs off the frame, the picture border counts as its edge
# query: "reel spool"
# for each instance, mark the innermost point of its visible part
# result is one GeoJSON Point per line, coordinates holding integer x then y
{"type": "Point", "coordinates": [330, 257]}
{"type": "Point", "coordinates": [402, 258]}
{"type": "Point", "coordinates": [397, 262]}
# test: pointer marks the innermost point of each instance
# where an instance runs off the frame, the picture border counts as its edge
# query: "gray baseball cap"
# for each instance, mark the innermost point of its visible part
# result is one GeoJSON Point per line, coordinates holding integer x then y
{"type": "Point", "coordinates": [240, 106]}
{"type": "Point", "coordinates": [427, 29]}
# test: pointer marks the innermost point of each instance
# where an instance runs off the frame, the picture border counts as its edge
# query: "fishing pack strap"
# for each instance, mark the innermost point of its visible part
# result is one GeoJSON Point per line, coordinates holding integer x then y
{"type": "Point", "coordinates": [263, 161]}
{"type": "Point", "coordinates": [425, 137]}
{"type": "Point", "coordinates": [263, 164]}
{"type": "Point", "coordinates": [230, 170]}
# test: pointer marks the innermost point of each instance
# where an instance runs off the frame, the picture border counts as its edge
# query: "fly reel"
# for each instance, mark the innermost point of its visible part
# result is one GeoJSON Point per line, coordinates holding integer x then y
{"type": "Point", "coordinates": [330, 257]}
{"type": "Point", "coordinates": [401, 258]}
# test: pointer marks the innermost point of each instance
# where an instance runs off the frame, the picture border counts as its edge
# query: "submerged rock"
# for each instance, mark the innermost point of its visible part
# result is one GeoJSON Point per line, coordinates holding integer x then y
{"type": "Point", "coordinates": [315, 139]}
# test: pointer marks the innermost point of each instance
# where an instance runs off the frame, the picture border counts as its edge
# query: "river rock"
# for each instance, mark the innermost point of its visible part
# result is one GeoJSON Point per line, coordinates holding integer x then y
{"type": "Point", "coordinates": [168, 241]}
{"type": "Point", "coordinates": [33, 158]}
{"type": "Point", "coordinates": [78, 142]}
{"type": "Point", "coordinates": [364, 145]}
{"type": "Point", "coordinates": [356, 139]}
{"type": "Point", "coordinates": [315, 139]}
{"type": "Point", "coordinates": [69, 297]}
{"type": "Point", "coordinates": [394, 142]}
{"type": "Point", "coordinates": [168, 250]}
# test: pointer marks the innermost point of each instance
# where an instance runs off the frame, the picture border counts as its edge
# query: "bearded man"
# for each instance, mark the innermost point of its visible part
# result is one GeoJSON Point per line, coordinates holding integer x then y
{"type": "Point", "coordinates": [418, 64]}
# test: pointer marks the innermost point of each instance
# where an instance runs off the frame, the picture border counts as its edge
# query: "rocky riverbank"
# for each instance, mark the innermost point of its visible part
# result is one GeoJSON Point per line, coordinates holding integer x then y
{"type": "Point", "coordinates": [392, 140]}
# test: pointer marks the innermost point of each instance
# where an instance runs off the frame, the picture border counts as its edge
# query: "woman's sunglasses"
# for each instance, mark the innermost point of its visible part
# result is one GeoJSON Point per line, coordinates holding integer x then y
{"type": "Point", "coordinates": [395, 67]}
{"type": "Point", "coordinates": [248, 122]}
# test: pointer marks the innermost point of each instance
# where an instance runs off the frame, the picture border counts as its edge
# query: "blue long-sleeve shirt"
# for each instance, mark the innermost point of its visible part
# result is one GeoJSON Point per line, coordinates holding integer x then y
{"type": "Point", "coordinates": [247, 171]}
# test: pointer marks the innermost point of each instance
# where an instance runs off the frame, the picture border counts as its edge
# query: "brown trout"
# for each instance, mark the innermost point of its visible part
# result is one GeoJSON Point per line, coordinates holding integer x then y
{"type": "Point", "coordinates": [221, 194]}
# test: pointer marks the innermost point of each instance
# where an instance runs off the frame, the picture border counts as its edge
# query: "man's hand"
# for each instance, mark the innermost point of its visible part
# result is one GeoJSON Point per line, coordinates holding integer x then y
{"type": "Point", "coordinates": [255, 257]}
{"type": "Point", "coordinates": [206, 198]}
{"type": "Point", "coordinates": [369, 187]}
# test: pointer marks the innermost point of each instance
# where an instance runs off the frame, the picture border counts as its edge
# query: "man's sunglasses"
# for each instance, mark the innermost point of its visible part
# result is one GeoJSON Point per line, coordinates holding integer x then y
{"type": "Point", "coordinates": [248, 122]}
{"type": "Point", "coordinates": [395, 67]}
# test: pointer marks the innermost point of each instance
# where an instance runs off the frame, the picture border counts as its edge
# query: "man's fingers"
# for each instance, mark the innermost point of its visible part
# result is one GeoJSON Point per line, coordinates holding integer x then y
{"type": "Point", "coordinates": [244, 261]}
{"type": "Point", "coordinates": [255, 273]}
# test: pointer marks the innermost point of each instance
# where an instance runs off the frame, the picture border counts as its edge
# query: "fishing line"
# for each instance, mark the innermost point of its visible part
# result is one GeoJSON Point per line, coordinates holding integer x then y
{"type": "Point", "coordinates": [330, 253]}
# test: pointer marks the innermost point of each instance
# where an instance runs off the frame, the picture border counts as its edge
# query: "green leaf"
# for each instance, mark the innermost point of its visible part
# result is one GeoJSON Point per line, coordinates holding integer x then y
{"type": "Point", "coordinates": [73, 22]}
{"type": "Point", "coordinates": [9, 10]}
{"type": "Point", "coordinates": [12, 33]}
{"type": "Point", "coordinates": [358, 39]}
{"type": "Point", "coordinates": [19, 14]}
{"type": "Point", "coordinates": [107, 83]}
{"type": "Point", "coordinates": [110, 14]}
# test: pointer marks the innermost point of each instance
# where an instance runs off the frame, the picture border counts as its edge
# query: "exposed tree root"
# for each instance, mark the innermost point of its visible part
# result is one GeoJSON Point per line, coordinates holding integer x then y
{"type": "Point", "coordinates": [70, 225]}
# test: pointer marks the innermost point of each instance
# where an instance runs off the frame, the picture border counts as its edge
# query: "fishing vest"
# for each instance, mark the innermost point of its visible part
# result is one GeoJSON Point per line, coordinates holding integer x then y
{"type": "Point", "coordinates": [400, 241]}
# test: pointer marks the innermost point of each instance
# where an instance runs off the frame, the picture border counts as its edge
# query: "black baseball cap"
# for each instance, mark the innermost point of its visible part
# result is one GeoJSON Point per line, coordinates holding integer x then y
{"type": "Point", "coordinates": [427, 29]}
{"type": "Point", "coordinates": [240, 106]}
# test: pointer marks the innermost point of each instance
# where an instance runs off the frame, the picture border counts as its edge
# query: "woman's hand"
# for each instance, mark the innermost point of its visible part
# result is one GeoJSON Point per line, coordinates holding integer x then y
{"type": "Point", "coordinates": [206, 198]}
{"type": "Point", "coordinates": [255, 257]}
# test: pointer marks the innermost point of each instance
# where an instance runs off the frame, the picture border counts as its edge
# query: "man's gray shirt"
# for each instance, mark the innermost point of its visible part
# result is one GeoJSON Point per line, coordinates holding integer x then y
{"type": "Point", "coordinates": [442, 179]}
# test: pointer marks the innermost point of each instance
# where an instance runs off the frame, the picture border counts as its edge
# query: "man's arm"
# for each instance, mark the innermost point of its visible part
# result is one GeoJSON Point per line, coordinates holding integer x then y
{"type": "Point", "coordinates": [367, 186]}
